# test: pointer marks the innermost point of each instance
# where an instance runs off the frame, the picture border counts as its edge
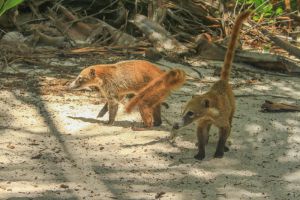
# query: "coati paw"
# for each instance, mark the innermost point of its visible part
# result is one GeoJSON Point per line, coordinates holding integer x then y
{"type": "Point", "coordinates": [109, 122]}
{"type": "Point", "coordinates": [226, 149]}
{"type": "Point", "coordinates": [219, 155]}
{"type": "Point", "coordinates": [199, 156]}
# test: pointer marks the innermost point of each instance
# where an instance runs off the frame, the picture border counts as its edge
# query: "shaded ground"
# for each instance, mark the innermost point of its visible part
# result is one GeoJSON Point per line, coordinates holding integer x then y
{"type": "Point", "coordinates": [53, 147]}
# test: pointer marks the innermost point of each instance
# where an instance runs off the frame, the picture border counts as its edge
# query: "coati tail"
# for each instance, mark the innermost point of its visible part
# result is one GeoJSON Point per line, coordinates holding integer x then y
{"type": "Point", "coordinates": [157, 89]}
{"type": "Point", "coordinates": [225, 73]}
{"type": "Point", "coordinates": [141, 94]}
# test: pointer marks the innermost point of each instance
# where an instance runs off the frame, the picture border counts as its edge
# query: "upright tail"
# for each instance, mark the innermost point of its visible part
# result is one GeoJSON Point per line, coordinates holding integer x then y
{"type": "Point", "coordinates": [157, 89]}
{"type": "Point", "coordinates": [225, 73]}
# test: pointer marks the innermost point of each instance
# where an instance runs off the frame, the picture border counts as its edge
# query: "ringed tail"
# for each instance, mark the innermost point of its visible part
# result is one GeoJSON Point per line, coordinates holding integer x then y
{"type": "Point", "coordinates": [167, 81]}
{"type": "Point", "coordinates": [225, 73]}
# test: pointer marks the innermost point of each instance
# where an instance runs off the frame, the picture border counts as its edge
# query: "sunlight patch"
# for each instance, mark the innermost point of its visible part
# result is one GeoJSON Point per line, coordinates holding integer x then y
{"type": "Point", "coordinates": [27, 186]}
{"type": "Point", "coordinates": [293, 177]}
{"type": "Point", "coordinates": [286, 87]}
{"type": "Point", "coordinates": [239, 193]}
{"type": "Point", "coordinates": [262, 87]}
{"type": "Point", "coordinates": [293, 122]}
{"type": "Point", "coordinates": [243, 173]}
{"type": "Point", "coordinates": [292, 155]}
{"type": "Point", "coordinates": [278, 125]}
{"type": "Point", "coordinates": [253, 128]}
{"type": "Point", "coordinates": [203, 174]}
{"type": "Point", "coordinates": [295, 138]}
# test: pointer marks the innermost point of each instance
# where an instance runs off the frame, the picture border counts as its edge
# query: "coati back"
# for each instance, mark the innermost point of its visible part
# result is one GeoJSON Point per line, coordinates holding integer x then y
{"type": "Point", "coordinates": [154, 93]}
{"type": "Point", "coordinates": [114, 81]}
{"type": "Point", "coordinates": [216, 106]}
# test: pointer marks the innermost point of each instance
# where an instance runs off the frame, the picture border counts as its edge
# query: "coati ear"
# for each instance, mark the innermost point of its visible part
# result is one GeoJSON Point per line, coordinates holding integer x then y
{"type": "Point", "coordinates": [92, 73]}
{"type": "Point", "coordinates": [206, 103]}
{"type": "Point", "coordinates": [170, 77]}
{"type": "Point", "coordinates": [172, 73]}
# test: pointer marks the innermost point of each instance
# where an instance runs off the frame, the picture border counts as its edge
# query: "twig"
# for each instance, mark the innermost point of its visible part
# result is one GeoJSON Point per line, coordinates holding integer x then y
{"type": "Point", "coordinates": [270, 106]}
{"type": "Point", "coordinates": [94, 14]}
{"type": "Point", "coordinates": [265, 95]}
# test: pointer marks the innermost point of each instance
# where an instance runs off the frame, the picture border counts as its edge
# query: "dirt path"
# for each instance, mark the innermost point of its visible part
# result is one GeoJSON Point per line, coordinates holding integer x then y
{"type": "Point", "coordinates": [53, 147]}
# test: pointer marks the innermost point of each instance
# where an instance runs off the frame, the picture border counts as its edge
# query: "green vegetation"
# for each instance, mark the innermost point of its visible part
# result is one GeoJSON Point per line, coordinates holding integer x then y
{"type": "Point", "coordinates": [265, 9]}
{"type": "Point", "coordinates": [8, 4]}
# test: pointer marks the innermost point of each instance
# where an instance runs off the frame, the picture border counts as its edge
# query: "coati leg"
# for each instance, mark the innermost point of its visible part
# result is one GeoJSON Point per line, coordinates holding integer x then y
{"type": "Point", "coordinates": [157, 115]}
{"type": "Point", "coordinates": [207, 135]}
{"type": "Point", "coordinates": [147, 115]}
{"type": "Point", "coordinates": [103, 111]}
{"type": "Point", "coordinates": [223, 135]}
{"type": "Point", "coordinates": [202, 136]}
{"type": "Point", "coordinates": [112, 111]}
{"type": "Point", "coordinates": [230, 124]}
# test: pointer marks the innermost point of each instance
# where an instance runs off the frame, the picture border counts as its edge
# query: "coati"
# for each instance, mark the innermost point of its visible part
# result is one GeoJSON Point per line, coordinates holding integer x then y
{"type": "Point", "coordinates": [216, 106]}
{"type": "Point", "coordinates": [117, 80]}
{"type": "Point", "coordinates": [154, 93]}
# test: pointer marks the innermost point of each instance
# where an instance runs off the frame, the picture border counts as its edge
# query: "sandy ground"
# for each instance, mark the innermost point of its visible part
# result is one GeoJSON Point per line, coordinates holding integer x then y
{"type": "Point", "coordinates": [53, 146]}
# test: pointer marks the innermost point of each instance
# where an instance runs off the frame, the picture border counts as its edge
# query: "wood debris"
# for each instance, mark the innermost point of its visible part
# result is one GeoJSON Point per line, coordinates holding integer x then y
{"type": "Point", "coordinates": [270, 106]}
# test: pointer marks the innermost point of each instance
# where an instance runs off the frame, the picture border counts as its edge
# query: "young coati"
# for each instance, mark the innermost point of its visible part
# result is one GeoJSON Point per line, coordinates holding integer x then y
{"type": "Point", "coordinates": [154, 93]}
{"type": "Point", "coordinates": [216, 106]}
{"type": "Point", "coordinates": [117, 80]}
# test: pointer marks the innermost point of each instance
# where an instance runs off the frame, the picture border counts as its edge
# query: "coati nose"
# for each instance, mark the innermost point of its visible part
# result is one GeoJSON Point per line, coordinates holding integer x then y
{"type": "Point", "coordinates": [176, 126]}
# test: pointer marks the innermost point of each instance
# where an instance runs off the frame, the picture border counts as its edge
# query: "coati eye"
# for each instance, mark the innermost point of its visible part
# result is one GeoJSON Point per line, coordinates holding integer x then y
{"type": "Point", "coordinates": [190, 114]}
{"type": "Point", "coordinates": [206, 103]}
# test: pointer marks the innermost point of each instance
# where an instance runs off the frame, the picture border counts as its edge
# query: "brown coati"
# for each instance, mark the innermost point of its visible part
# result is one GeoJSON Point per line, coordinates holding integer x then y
{"type": "Point", "coordinates": [154, 93]}
{"type": "Point", "coordinates": [216, 106]}
{"type": "Point", "coordinates": [114, 81]}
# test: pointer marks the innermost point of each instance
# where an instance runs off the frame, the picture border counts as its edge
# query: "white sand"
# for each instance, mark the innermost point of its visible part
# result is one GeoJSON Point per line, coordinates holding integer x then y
{"type": "Point", "coordinates": [53, 147]}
